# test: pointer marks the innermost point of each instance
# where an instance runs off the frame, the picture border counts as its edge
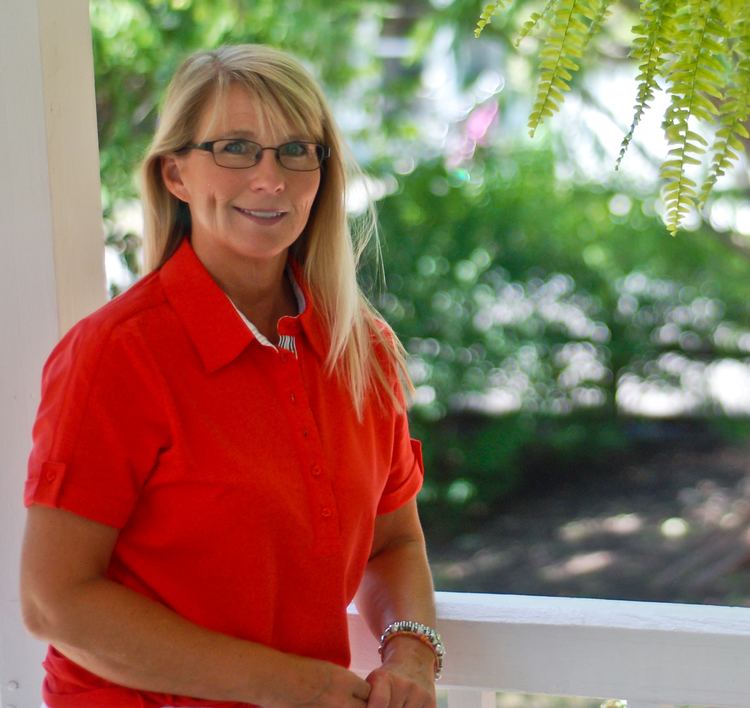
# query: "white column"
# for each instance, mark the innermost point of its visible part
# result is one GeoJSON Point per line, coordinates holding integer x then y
{"type": "Point", "coordinates": [51, 259]}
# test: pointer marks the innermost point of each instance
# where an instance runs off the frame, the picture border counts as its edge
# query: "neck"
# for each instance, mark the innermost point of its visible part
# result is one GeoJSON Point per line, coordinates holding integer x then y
{"type": "Point", "coordinates": [259, 289]}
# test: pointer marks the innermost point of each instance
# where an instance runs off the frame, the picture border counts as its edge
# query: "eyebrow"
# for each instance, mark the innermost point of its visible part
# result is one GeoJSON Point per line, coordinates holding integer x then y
{"type": "Point", "coordinates": [241, 134]}
{"type": "Point", "coordinates": [250, 135]}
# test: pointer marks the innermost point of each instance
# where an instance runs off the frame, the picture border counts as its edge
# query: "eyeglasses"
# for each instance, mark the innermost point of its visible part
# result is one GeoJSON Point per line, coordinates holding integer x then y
{"type": "Point", "coordinates": [238, 154]}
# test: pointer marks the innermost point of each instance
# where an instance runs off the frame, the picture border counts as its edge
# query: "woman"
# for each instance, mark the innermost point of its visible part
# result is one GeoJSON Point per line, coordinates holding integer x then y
{"type": "Point", "coordinates": [221, 456]}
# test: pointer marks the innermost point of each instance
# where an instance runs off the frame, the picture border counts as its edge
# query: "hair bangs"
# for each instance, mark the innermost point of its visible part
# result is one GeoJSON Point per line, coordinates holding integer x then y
{"type": "Point", "coordinates": [277, 115]}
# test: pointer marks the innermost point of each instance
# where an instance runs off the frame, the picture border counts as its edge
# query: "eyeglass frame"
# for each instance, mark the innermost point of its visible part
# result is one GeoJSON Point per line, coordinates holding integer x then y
{"type": "Point", "coordinates": [208, 146]}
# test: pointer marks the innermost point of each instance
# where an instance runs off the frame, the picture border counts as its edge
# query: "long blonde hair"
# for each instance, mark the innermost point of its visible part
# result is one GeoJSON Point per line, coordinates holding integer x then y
{"type": "Point", "coordinates": [328, 249]}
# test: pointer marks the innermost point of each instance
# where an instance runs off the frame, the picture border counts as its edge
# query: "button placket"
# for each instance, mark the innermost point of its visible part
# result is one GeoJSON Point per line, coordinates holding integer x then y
{"type": "Point", "coordinates": [323, 505]}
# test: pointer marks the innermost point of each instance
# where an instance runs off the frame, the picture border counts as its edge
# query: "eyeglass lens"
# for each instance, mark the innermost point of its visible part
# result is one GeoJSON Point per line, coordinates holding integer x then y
{"type": "Point", "coordinates": [297, 155]}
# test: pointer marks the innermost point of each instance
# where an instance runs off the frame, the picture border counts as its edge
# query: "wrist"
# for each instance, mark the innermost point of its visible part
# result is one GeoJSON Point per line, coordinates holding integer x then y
{"type": "Point", "coordinates": [405, 640]}
{"type": "Point", "coordinates": [408, 652]}
{"type": "Point", "coordinates": [295, 680]}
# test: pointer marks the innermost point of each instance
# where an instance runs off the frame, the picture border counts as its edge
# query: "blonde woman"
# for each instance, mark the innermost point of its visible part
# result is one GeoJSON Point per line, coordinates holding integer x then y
{"type": "Point", "coordinates": [221, 458]}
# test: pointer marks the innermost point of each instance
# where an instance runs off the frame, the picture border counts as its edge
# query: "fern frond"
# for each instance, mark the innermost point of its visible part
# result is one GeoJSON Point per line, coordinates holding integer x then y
{"type": "Point", "coordinates": [533, 21]}
{"type": "Point", "coordinates": [735, 110]}
{"type": "Point", "coordinates": [649, 46]}
{"type": "Point", "coordinates": [601, 13]}
{"type": "Point", "coordinates": [694, 77]}
{"type": "Point", "coordinates": [486, 17]}
{"type": "Point", "coordinates": [563, 46]}
{"type": "Point", "coordinates": [702, 50]}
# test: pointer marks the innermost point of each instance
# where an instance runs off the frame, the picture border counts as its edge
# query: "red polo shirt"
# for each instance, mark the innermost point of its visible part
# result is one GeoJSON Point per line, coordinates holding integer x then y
{"type": "Point", "coordinates": [243, 485]}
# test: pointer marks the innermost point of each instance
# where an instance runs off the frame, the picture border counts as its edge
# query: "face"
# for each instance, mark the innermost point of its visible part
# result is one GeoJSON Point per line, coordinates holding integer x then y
{"type": "Point", "coordinates": [252, 214]}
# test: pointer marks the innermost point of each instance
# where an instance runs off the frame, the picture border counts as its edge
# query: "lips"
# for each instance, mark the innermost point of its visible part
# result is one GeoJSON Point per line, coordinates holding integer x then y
{"type": "Point", "coordinates": [261, 213]}
{"type": "Point", "coordinates": [262, 217]}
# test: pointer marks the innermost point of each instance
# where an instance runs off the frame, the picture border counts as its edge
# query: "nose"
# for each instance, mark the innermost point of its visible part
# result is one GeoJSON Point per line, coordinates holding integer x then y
{"type": "Point", "coordinates": [267, 174]}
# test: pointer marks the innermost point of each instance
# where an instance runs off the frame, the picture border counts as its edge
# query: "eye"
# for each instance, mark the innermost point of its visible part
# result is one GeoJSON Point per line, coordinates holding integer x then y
{"type": "Point", "coordinates": [295, 149]}
{"type": "Point", "coordinates": [237, 147]}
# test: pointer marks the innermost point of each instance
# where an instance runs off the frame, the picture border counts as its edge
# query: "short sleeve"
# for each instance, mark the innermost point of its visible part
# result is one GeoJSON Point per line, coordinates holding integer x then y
{"type": "Point", "coordinates": [406, 477]}
{"type": "Point", "coordinates": [99, 428]}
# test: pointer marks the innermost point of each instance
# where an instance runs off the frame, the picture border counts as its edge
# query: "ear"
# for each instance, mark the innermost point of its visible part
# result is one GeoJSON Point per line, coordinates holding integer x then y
{"type": "Point", "coordinates": [171, 173]}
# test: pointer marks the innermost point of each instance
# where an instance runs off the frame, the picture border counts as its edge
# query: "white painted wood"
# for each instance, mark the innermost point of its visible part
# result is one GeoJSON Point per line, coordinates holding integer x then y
{"type": "Point", "coordinates": [471, 698]}
{"type": "Point", "coordinates": [51, 259]}
{"type": "Point", "coordinates": [651, 653]}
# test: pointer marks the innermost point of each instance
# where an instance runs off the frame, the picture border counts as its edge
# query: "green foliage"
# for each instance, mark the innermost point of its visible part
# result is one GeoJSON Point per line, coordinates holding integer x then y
{"type": "Point", "coordinates": [532, 22]}
{"type": "Point", "coordinates": [486, 17]}
{"type": "Point", "coordinates": [560, 57]}
{"type": "Point", "coordinates": [699, 48]}
{"type": "Point", "coordinates": [501, 280]}
{"type": "Point", "coordinates": [736, 109]}
{"type": "Point", "coordinates": [695, 78]}
{"type": "Point", "coordinates": [650, 46]}
{"type": "Point", "coordinates": [478, 462]}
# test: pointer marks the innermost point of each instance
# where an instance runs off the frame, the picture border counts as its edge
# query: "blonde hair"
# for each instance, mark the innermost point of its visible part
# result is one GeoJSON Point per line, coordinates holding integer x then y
{"type": "Point", "coordinates": [328, 250]}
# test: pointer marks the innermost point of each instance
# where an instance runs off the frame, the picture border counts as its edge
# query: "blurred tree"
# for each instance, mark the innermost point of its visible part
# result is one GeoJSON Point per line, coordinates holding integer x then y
{"type": "Point", "coordinates": [700, 49]}
{"type": "Point", "coordinates": [517, 294]}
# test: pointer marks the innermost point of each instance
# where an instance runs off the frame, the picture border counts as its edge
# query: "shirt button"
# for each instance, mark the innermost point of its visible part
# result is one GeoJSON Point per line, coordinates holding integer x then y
{"type": "Point", "coordinates": [292, 397]}
{"type": "Point", "coordinates": [50, 476]}
{"type": "Point", "coordinates": [325, 512]}
{"type": "Point", "coordinates": [315, 470]}
{"type": "Point", "coordinates": [305, 433]}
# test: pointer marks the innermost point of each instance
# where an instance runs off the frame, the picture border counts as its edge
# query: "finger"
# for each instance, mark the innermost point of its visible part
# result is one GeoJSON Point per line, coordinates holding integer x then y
{"type": "Point", "coordinates": [362, 690]}
{"type": "Point", "coordinates": [380, 694]}
{"type": "Point", "coordinates": [409, 696]}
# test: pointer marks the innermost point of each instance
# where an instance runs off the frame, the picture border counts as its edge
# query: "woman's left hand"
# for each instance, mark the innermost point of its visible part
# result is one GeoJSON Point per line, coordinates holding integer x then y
{"type": "Point", "coordinates": [406, 679]}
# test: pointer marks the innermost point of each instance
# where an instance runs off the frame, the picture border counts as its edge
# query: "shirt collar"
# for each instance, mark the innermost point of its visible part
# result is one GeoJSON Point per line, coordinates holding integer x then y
{"type": "Point", "coordinates": [310, 319]}
{"type": "Point", "coordinates": [207, 315]}
{"type": "Point", "coordinates": [301, 306]}
{"type": "Point", "coordinates": [211, 320]}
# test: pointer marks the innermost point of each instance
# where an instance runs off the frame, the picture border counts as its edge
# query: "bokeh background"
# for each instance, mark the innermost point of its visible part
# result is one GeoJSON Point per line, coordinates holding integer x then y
{"type": "Point", "coordinates": [582, 378]}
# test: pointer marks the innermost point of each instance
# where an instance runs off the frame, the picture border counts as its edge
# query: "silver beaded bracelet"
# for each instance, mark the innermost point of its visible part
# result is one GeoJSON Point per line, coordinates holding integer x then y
{"type": "Point", "coordinates": [426, 635]}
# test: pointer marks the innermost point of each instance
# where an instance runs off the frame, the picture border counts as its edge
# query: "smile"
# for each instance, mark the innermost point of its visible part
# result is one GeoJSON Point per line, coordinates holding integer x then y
{"type": "Point", "coordinates": [261, 213]}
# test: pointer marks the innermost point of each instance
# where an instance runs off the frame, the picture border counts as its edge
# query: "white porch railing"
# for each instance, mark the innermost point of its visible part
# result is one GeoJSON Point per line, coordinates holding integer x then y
{"type": "Point", "coordinates": [653, 655]}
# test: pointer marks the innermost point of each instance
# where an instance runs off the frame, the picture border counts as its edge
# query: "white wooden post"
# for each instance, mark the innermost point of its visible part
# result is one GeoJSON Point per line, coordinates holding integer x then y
{"type": "Point", "coordinates": [51, 259]}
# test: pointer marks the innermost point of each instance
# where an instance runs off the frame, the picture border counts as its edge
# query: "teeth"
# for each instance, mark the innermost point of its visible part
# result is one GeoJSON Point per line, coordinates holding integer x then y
{"type": "Point", "coordinates": [262, 214]}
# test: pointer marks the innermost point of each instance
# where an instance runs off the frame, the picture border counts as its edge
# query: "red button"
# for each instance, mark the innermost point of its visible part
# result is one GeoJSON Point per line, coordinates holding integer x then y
{"type": "Point", "coordinates": [50, 476]}
{"type": "Point", "coordinates": [292, 398]}
{"type": "Point", "coordinates": [325, 512]}
{"type": "Point", "coordinates": [315, 470]}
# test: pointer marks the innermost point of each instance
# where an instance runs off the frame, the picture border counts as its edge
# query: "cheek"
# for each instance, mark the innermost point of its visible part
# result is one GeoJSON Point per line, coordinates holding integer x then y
{"type": "Point", "coordinates": [217, 191]}
{"type": "Point", "coordinates": [309, 196]}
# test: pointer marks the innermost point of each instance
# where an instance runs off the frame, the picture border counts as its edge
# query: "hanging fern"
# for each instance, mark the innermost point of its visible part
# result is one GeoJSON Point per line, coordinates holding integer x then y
{"type": "Point", "coordinates": [695, 75]}
{"type": "Point", "coordinates": [486, 17]}
{"type": "Point", "coordinates": [735, 111]}
{"type": "Point", "coordinates": [601, 13]}
{"type": "Point", "coordinates": [568, 34]}
{"type": "Point", "coordinates": [700, 52]}
{"type": "Point", "coordinates": [531, 23]}
{"type": "Point", "coordinates": [649, 47]}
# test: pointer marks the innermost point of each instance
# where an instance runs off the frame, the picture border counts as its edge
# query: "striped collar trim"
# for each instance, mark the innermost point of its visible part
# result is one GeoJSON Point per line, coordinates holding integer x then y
{"type": "Point", "coordinates": [286, 341]}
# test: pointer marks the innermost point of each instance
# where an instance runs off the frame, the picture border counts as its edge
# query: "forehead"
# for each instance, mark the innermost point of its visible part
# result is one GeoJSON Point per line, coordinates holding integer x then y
{"type": "Point", "coordinates": [240, 113]}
